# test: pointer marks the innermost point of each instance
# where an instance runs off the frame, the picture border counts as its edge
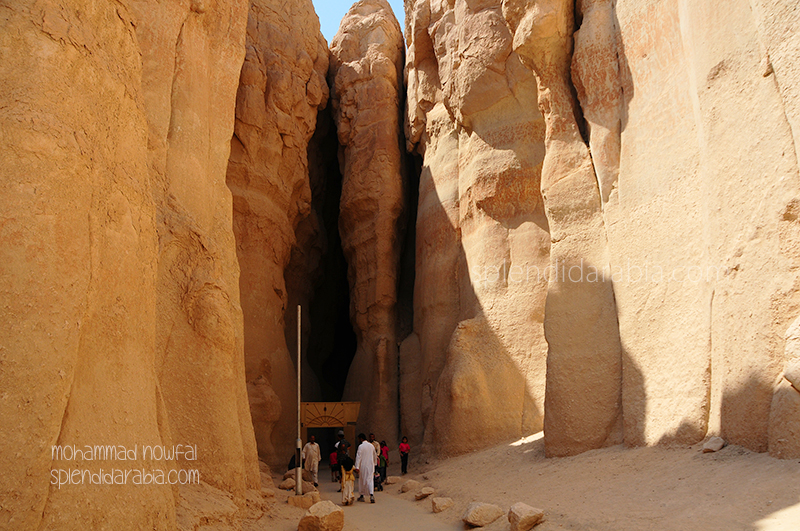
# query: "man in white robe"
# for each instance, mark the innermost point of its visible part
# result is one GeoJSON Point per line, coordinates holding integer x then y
{"type": "Point", "coordinates": [366, 459]}
{"type": "Point", "coordinates": [311, 458]}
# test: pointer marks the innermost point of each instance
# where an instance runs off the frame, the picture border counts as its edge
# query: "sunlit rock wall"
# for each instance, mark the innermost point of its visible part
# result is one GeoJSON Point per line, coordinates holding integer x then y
{"type": "Point", "coordinates": [282, 86]}
{"type": "Point", "coordinates": [366, 83]}
{"type": "Point", "coordinates": [482, 235]}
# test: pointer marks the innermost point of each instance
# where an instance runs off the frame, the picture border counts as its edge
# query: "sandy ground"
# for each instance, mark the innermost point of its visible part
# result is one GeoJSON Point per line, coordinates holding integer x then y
{"type": "Point", "coordinates": [614, 489]}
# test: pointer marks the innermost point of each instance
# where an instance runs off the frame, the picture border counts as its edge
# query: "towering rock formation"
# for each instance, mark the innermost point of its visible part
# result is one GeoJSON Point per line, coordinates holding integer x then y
{"type": "Point", "coordinates": [79, 263]}
{"type": "Point", "coordinates": [120, 276]}
{"type": "Point", "coordinates": [366, 79]}
{"type": "Point", "coordinates": [702, 333]}
{"type": "Point", "coordinates": [681, 226]}
{"type": "Point", "coordinates": [190, 63]}
{"type": "Point", "coordinates": [582, 405]}
{"type": "Point", "coordinates": [282, 87]}
{"type": "Point", "coordinates": [482, 235]}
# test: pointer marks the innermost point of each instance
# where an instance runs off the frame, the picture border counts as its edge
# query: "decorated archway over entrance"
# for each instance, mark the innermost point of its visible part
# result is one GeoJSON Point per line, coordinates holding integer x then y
{"type": "Point", "coordinates": [330, 415]}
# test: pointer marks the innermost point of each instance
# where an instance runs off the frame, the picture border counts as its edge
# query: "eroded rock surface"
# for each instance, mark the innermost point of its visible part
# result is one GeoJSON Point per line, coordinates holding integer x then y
{"type": "Point", "coordinates": [482, 236]}
{"type": "Point", "coordinates": [366, 79]}
{"type": "Point", "coordinates": [281, 89]}
{"type": "Point", "coordinates": [116, 121]}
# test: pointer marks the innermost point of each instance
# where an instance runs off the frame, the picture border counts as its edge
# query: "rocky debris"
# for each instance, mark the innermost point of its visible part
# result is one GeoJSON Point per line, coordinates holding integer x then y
{"type": "Point", "coordinates": [203, 504]}
{"type": "Point", "coordinates": [784, 413]}
{"type": "Point", "coordinates": [523, 517]}
{"type": "Point", "coordinates": [479, 514]}
{"type": "Point", "coordinates": [287, 484]}
{"type": "Point", "coordinates": [323, 516]}
{"type": "Point", "coordinates": [411, 484]}
{"type": "Point", "coordinates": [267, 493]}
{"type": "Point", "coordinates": [391, 480]}
{"type": "Point", "coordinates": [293, 474]}
{"type": "Point", "coordinates": [439, 504]}
{"type": "Point", "coordinates": [714, 444]}
{"type": "Point", "coordinates": [305, 501]}
{"type": "Point", "coordinates": [423, 493]}
{"type": "Point", "coordinates": [792, 373]}
{"type": "Point", "coordinates": [366, 78]}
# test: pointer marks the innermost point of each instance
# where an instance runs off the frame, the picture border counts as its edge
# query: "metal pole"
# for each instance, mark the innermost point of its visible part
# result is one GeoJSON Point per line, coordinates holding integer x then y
{"type": "Point", "coordinates": [298, 489]}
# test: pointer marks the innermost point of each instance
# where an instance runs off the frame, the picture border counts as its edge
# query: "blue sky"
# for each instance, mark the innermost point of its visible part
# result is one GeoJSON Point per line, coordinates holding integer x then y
{"type": "Point", "coordinates": [331, 12]}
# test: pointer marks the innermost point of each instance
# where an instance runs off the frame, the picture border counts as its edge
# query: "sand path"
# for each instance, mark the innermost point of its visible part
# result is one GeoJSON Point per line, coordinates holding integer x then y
{"type": "Point", "coordinates": [390, 512]}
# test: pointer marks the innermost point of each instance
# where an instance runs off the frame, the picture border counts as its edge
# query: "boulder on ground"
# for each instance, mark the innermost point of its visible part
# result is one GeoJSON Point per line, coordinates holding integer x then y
{"type": "Point", "coordinates": [305, 501]}
{"type": "Point", "coordinates": [714, 444]}
{"type": "Point", "coordinates": [523, 517]}
{"type": "Point", "coordinates": [322, 516]}
{"type": "Point", "coordinates": [792, 373]}
{"type": "Point", "coordinates": [423, 493]}
{"type": "Point", "coordinates": [308, 487]}
{"type": "Point", "coordinates": [293, 474]}
{"type": "Point", "coordinates": [391, 480]}
{"type": "Point", "coordinates": [441, 504]}
{"type": "Point", "coordinates": [479, 514]}
{"type": "Point", "coordinates": [410, 485]}
{"type": "Point", "coordinates": [287, 484]}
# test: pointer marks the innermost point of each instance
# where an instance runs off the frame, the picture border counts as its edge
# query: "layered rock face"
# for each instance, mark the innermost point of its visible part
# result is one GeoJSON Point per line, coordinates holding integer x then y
{"type": "Point", "coordinates": [700, 323]}
{"type": "Point", "coordinates": [79, 266]}
{"type": "Point", "coordinates": [584, 363]}
{"type": "Point", "coordinates": [679, 228]}
{"type": "Point", "coordinates": [190, 64]}
{"type": "Point", "coordinates": [282, 87]}
{"type": "Point", "coordinates": [366, 79]}
{"type": "Point", "coordinates": [482, 235]}
{"type": "Point", "coordinates": [703, 345]}
{"type": "Point", "coordinates": [120, 279]}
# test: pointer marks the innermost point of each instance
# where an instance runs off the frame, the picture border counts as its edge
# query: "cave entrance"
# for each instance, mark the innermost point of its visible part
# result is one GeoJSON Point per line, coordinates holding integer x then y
{"type": "Point", "coordinates": [331, 345]}
{"type": "Point", "coordinates": [324, 419]}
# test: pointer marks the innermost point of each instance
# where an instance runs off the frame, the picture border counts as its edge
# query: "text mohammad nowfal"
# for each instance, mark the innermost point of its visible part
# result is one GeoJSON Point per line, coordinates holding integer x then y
{"type": "Point", "coordinates": [98, 452]}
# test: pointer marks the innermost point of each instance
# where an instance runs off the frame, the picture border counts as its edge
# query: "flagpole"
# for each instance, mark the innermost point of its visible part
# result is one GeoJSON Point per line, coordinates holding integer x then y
{"type": "Point", "coordinates": [299, 471]}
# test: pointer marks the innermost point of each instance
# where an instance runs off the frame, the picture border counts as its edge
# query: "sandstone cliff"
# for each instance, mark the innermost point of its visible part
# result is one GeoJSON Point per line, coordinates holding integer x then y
{"type": "Point", "coordinates": [482, 235]}
{"type": "Point", "coordinates": [678, 223]}
{"type": "Point", "coordinates": [190, 65]}
{"type": "Point", "coordinates": [282, 87]}
{"type": "Point", "coordinates": [119, 268]}
{"type": "Point", "coordinates": [366, 80]}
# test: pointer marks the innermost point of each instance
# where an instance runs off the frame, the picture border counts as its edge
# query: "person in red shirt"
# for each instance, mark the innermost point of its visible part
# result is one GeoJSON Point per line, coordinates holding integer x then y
{"type": "Point", "coordinates": [334, 467]}
{"type": "Point", "coordinates": [405, 448]}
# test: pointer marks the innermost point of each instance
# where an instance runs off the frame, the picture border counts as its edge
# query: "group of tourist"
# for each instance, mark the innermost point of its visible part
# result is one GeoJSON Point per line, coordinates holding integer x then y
{"type": "Point", "coordinates": [369, 465]}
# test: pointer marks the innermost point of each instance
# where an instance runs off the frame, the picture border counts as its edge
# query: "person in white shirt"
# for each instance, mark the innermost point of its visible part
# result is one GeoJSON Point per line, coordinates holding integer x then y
{"type": "Point", "coordinates": [366, 459]}
{"type": "Point", "coordinates": [311, 458]}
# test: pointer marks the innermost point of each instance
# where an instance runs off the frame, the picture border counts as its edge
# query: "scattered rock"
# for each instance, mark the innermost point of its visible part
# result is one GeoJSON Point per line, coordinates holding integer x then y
{"type": "Point", "coordinates": [306, 501]}
{"type": "Point", "coordinates": [308, 487]}
{"type": "Point", "coordinates": [479, 514]}
{"type": "Point", "coordinates": [411, 484]}
{"type": "Point", "coordinates": [287, 484]}
{"type": "Point", "coordinates": [714, 444]}
{"type": "Point", "coordinates": [293, 474]}
{"type": "Point", "coordinates": [523, 517]}
{"type": "Point", "coordinates": [423, 493]}
{"type": "Point", "coordinates": [391, 480]}
{"type": "Point", "coordinates": [322, 516]}
{"type": "Point", "coordinates": [267, 493]}
{"type": "Point", "coordinates": [792, 373]}
{"type": "Point", "coordinates": [441, 504]}
{"type": "Point", "coordinates": [267, 481]}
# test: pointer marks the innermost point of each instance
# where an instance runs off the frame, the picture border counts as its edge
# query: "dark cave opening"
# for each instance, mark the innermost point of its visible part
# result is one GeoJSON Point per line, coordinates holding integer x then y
{"type": "Point", "coordinates": [331, 343]}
